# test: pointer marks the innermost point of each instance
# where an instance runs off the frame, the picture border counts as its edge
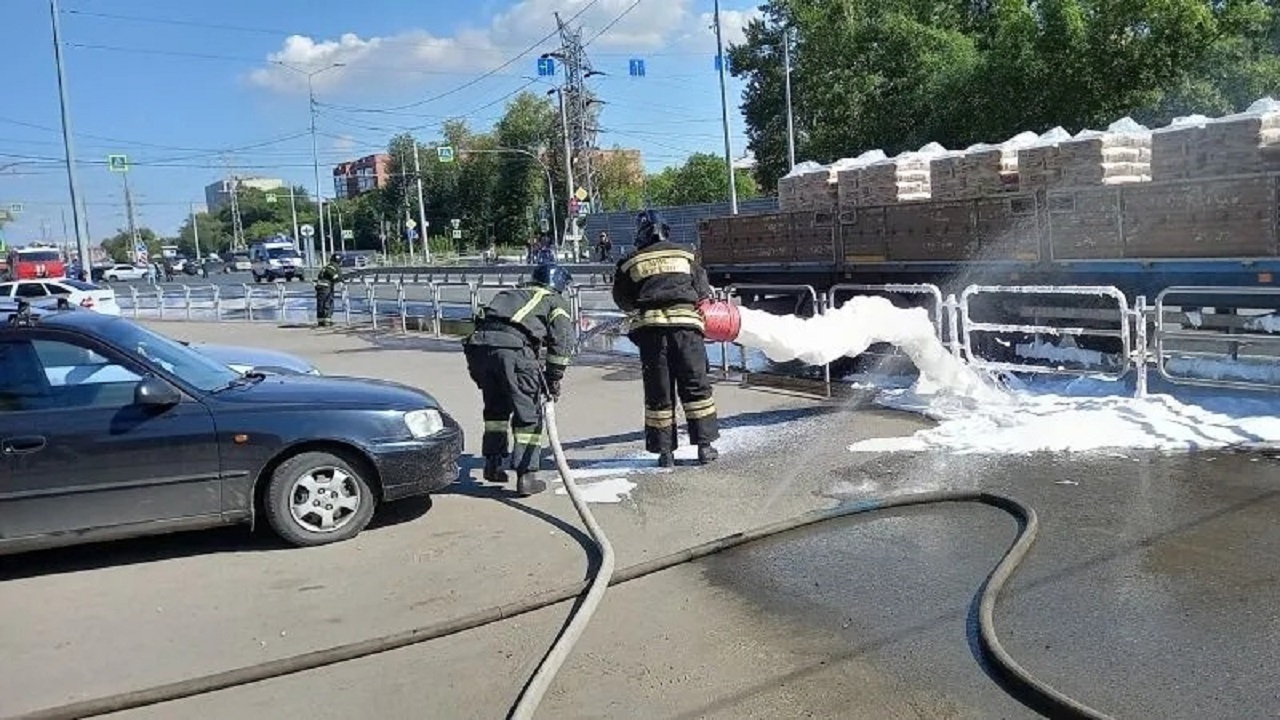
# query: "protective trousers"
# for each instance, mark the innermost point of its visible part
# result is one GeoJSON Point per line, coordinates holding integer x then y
{"type": "Point", "coordinates": [324, 303]}
{"type": "Point", "coordinates": [510, 380]}
{"type": "Point", "coordinates": [674, 362]}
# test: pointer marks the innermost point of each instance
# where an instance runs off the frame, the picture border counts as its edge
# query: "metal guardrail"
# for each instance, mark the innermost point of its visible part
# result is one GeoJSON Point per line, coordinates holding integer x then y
{"type": "Point", "coordinates": [969, 326]}
{"type": "Point", "coordinates": [1166, 334]}
{"type": "Point", "coordinates": [735, 290]}
{"type": "Point", "coordinates": [1137, 326]}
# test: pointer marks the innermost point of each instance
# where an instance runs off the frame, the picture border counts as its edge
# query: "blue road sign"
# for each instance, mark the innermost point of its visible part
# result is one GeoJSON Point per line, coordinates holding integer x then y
{"type": "Point", "coordinates": [546, 67]}
{"type": "Point", "coordinates": [637, 68]}
{"type": "Point", "coordinates": [728, 64]}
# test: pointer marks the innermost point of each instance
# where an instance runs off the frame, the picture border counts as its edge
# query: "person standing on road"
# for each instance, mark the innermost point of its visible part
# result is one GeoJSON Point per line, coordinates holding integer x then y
{"type": "Point", "coordinates": [329, 277]}
{"type": "Point", "coordinates": [604, 247]}
{"type": "Point", "coordinates": [502, 359]}
{"type": "Point", "coordinates": [661, 285]}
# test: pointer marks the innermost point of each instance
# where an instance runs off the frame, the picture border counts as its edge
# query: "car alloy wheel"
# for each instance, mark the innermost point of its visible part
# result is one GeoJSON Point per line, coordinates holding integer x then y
{"type": "Point", "coordinates": [315, 498]}
{"type": "Point", "coordinates": [325, 499]}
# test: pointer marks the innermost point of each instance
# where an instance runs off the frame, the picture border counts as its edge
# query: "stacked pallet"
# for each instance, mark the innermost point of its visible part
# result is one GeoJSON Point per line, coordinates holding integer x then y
{"type": "Point", "coordinates": [1198, 147]}
{"type": "Point", "coordinates": [809, 187]}
{"type": "Point", "coordinates": [1121, 154]}
{"type": "Point", "coordinates": [848, 176]}
{"type": "Point", "coordinates": [1039, 164]}
{"type": "Point", "coordinates": [904, 178]}
{"type": "Point", "coordinates": [978, 171]}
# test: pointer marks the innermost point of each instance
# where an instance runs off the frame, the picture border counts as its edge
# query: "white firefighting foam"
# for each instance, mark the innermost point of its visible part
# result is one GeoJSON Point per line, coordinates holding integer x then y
{"type": "Point", "coordinates": [976, 416]}
{"type": "Point", "coordinates": [857, 325]}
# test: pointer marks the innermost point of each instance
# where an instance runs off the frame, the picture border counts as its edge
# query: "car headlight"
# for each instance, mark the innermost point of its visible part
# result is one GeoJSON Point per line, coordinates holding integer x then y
{"type": "Point", "coordinates": [424, 423]}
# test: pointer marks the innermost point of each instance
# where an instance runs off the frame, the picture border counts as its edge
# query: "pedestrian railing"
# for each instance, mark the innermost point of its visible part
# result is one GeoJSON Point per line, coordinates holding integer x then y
{"type": "Point", "coordinates": [1204, 336]}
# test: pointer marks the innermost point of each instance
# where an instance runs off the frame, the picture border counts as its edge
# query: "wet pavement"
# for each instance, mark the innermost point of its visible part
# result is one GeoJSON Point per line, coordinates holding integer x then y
{"type": "Point", "coordinates": [1150, 592]}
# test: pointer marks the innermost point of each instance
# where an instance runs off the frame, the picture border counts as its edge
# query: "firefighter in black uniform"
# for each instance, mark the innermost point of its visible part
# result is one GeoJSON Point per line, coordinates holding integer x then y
{"type": "Point", "coordinates": [661, 285]}
{"type": "Point", "coordinates": [502, 359]}
{"type": "Point", "coordinates": [326, 281]}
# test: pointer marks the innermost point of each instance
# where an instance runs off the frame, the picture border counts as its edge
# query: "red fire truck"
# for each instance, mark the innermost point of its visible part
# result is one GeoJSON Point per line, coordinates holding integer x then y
{"type": "Point", "coordinates": [35, 262]}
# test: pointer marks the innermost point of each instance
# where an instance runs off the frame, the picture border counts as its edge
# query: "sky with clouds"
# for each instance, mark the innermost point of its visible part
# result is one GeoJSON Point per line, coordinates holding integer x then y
{"type": "Point", "coordinates": [187, 94]}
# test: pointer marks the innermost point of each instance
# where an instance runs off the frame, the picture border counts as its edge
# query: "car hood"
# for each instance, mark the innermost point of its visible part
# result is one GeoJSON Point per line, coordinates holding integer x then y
{"type": "Point", "coordinates": [243, 359]}
{"type": "Point", "coordinates": [328, 393]}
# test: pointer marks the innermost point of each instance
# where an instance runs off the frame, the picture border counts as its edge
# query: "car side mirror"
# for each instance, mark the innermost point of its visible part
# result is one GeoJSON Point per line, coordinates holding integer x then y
{"type": "Point", "coordinates": [156, 393]}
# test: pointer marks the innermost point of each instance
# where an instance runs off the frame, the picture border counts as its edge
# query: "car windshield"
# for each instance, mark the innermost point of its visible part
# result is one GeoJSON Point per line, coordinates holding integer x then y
{"type": "Point", "coordinates": [79, 285]}
{"type": "Point", "coordinates": [177, 359]}
{"type": "Point", "coordinates": [39, 256]}
{"type": "Point", "coordinates": [281, 253]}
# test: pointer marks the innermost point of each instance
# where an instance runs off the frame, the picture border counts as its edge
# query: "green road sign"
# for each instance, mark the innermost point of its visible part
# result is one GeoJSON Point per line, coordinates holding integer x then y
{"type": "Point", "coordinates": [348, 235]}
{"type": "Point", "coordinates": [445, 153]}
{"type": "Point", "coordinates": [118, 163]}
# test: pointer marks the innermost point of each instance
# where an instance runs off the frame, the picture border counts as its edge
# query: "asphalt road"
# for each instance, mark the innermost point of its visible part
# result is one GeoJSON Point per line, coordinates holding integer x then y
{"type": "Point", "coordinates": [1150, 593]}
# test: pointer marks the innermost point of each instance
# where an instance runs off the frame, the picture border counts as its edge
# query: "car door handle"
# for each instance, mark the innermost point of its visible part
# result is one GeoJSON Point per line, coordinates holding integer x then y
{"type": "Point", "coordinates": [24, 445]}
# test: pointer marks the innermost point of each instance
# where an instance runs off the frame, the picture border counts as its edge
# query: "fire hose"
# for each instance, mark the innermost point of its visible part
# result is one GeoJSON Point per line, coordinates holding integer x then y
{"type": "Point", "coordinates": [722, 322]}
{"type": "Point", "coordinates": [1030, 690]}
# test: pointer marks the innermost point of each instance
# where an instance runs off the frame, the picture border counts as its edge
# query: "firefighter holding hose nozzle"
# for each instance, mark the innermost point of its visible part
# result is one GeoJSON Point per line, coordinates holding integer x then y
{"type": "Point", "coordinates": [502, 359]}
{"type": "Point", "coordinates": [661, 286]}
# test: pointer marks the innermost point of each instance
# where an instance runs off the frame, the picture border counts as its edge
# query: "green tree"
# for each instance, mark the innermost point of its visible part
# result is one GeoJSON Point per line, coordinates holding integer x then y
{"type": "Point", "coordinates": [120, 246]}
{"type": "Point", "coordinates": [702, 179]}
{"type": "Point", "coordinates": [620, 182]}
{"type": "Point", "coordinates": [896, 74]}
{"type": "Point", "coordinates": [214, 236]}
{"type": "Point", "coordinates": [520, 185]}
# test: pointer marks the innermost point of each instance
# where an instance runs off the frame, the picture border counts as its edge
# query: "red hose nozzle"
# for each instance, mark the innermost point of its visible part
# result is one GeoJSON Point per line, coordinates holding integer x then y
{"type": "Point", "coordinates": [722, 320]}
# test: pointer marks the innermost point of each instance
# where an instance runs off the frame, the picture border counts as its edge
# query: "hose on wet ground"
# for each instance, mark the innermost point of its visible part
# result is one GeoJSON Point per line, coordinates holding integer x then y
{"type": "Point", "coordinates": [1022, 684]}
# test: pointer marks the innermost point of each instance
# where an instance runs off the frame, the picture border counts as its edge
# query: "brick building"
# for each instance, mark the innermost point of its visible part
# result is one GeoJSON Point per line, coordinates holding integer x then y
{"type": "Point", "coordinates": [351, 179]}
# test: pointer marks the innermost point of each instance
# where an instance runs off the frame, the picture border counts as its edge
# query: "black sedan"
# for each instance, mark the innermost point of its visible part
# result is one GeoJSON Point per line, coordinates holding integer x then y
{"type": "Point", "coordinates": [109, 430]}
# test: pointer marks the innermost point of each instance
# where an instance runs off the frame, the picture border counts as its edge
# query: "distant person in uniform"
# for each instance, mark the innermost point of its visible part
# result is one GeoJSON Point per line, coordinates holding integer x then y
{"type": "Point", "coordinates": [661, 285]}
{"type": "Point", "coordinates": [502, 359]}
{"type": "Point", "coordinates": [329, 277]}
{"type": "Point", "coordinates": [604, 247]}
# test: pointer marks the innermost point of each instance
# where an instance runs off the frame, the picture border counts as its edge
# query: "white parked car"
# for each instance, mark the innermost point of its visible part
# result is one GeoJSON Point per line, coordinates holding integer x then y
{"type": "Point", "coordinates": [83, 294]}
{"type": "Point", "coordinates": [119, 272]}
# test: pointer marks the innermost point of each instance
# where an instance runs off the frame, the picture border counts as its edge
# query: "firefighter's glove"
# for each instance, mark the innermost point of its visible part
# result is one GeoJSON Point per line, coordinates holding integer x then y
{"type": "Point", "coordinates": [553, 387]}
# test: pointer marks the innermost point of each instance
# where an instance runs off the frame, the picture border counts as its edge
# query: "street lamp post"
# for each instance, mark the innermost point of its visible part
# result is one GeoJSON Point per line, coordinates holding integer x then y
{"type": "Point", "coordinates": [315, 155]}
{"type": "Point", "coordinates": [724, 112]}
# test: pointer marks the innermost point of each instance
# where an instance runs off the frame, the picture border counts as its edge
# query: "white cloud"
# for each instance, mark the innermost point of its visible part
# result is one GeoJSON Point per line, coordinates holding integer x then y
{"type": "Point", "coordinates": [653, 25]}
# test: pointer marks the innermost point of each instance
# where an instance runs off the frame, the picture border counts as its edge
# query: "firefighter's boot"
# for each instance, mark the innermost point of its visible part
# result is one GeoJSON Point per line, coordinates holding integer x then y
{"type": "Point", "coordinates": [493, 471]}
{"type": "Point", "coordinates": [707, 454]}
{"type": "Point", "coordinates": [666, 460]}
{"type": "Point", "coordinates": [530, 484]}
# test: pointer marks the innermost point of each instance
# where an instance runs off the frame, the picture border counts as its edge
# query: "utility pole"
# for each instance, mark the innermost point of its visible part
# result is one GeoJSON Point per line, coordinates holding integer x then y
{"type": "Point", "coordinates": [293, 210]}
{"type": "Point", "coordinates": [195, 231]}
{"type": "Point", "coordinates": [791, 124]}
{"type": "Point", "coordinates": [73, 182]}
{"type": "Point", "coordinates": [232, 183]}
{"type": "Point", "coordinates": [333, 245]}
{"type": "Point", "coordinates": [342, 233]}
{"type": "Point", "coordinates": [724, 114]}
{"type": "Point", "coordinates": [128, 208]}
{"type": "Point", "coordinates": [422, 208]}
{"type": "Point", "coordinates": [568, 157]}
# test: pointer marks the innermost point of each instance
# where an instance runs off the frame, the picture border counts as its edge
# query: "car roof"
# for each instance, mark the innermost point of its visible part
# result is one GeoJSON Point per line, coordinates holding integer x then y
{"type": "Point", "coordinates": [54, 313]}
